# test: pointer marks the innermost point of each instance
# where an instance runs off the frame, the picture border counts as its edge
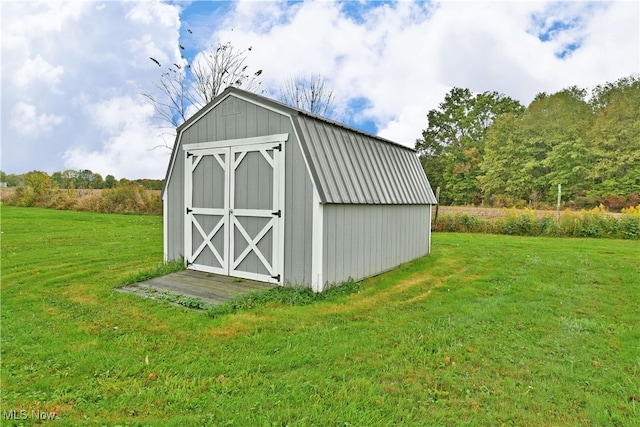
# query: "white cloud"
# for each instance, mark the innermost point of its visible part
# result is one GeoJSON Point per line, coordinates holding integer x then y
{"type": "Point", "coordinates": [403, 57]}
{"type": "Point", "coordinates": [79, 62]}
{"type": "Point", "coordinates": [26, 120]}
{"type": "Point", "coordinates": [115, 114]}
{"type": "Point", "coordinates": [155, 14]}
{"type": "Point", "coordinates": [38, 70]}
{"type": "Point", "coordinates": [129, 147]}
{"type": "Point", "coordinates": [611, 46]}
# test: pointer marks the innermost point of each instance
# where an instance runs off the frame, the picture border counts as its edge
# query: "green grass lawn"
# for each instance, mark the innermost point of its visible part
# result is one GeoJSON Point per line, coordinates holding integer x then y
{"type": "Point", "coordinates": [488, 330]}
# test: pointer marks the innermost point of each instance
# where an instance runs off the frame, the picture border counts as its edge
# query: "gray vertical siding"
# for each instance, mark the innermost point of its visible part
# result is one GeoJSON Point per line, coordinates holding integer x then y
{"type": "Point", "coordinates": [298, 216]}
{"type": "Point", "coordinates": [364, 240]}
{"type": "Point", "coordinates": [235, 118]}
{"type": "Point", "coordinates": [174, 200]}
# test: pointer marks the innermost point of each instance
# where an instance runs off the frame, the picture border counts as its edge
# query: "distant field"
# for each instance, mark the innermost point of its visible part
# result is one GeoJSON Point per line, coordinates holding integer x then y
{"type": "Point", "coordinates": [5, 191]}
{"type": "Point", "coordinates": [488, 330]}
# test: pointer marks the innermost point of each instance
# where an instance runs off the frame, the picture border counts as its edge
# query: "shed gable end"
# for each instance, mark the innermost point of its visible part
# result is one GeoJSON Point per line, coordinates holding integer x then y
{"type": "Point", "coordinates": [234, 118]}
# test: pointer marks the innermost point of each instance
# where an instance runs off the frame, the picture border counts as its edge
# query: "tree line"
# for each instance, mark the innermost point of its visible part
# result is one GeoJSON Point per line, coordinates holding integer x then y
{"type": "Point", "coordinates": [72, 191]}
{"type": "Point", "coordinates": [489, 149]}
{"type": "Point", "coordinates": [75, 179]}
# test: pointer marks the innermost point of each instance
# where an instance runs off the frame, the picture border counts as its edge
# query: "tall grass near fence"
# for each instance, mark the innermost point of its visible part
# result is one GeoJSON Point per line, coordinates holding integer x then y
{"type": "Point", "coordinates": [526, 222]}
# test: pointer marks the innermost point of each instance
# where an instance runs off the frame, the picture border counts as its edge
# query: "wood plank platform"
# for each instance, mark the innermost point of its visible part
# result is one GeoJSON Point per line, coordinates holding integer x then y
{"type": "Point", "coordinates": [212, 289]}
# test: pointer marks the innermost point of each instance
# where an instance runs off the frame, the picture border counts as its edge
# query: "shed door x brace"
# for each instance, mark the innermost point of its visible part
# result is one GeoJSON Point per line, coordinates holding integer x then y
{"type": "Point", "coordinates": [233, 210]}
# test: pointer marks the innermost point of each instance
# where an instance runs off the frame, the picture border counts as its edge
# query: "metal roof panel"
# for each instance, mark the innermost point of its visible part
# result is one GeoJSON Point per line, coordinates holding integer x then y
{"type": "Point", "coordinates": [356, 168]}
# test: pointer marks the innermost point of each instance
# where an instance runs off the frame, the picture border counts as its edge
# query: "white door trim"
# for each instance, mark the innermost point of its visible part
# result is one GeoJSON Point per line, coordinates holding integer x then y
{"type": "Point", "coordinates": [281, 137]}
{"type": "Point", "coordinates": [191, 211]}
{"type": "Point", "coordinates": [274, 213]}
{"type": "Point", "coordinates": [261, 144]}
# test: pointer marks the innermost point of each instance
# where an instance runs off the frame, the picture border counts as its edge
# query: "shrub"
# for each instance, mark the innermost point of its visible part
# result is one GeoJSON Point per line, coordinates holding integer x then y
{"type": "Point", "coordinates": [23, 196]}
{"type": "Point", "coordinates": [630, 227]}
{"type": "Point", "coordinates": [633, 200]}
{"type": "Point", "coordinates": [614, 203]}
{"type": "Point", "coordinates": [62, 200]}
{"type": "Point", "coordinates": [124, 199]}
{"type": "Point", "coordinates": [462, 222]}
{"type": "Point", "coordinates": [631, 211]}
{"type": "Point", "coordinates": [569, 224]}
{"type": "Point", "coordinates": [630, 222]}
{"type": "Point", "coordinates": [548, 226]}
{"type": "Point", "coordinates": [593, 223]}
{"type": "Point", "coordinates": [520, 222]}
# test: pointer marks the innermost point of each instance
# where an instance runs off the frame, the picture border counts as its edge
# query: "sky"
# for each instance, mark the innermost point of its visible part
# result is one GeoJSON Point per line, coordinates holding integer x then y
{"type": "Point", "coordinates": [73, 71]}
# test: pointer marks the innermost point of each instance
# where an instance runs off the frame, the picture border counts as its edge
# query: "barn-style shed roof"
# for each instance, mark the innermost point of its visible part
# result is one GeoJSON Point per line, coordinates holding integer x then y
{"type": "Point", "coordinates": [347, 166]}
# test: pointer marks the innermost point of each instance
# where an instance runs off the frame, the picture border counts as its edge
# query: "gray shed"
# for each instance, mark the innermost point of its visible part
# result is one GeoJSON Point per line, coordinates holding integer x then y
{"type": "Point", "coordinates": [260, 190]}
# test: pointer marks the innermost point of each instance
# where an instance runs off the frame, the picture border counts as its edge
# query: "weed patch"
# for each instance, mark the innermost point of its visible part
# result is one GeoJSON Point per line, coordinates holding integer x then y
{"type": "Point", "coordinates": [594, 223]}
{"type": "Point", "coordinates": [185, 301]}
{"type": "Point", "coordinates": [158, 270]}
{"type": "Point", "coordinates": [283, 295]}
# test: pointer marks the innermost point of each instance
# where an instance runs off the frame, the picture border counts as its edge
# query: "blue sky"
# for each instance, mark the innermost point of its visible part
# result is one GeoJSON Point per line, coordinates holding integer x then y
{"type": "Point", "coordinates": [73, 71]}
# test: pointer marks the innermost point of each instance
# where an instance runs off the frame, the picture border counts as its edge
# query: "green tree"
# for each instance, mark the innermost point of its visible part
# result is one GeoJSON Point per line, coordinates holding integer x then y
{"type": "Point", "coordinates": [14, 180]}
{"type": "Point", "coordinates": [109, 181]}
{"type": "Point", "coordinates": [527, 156]}
{"type": "Point", "coordinates": [39, 181]}
{"type": "Point", "coordinates": [67, 178]}
{"type": "Point", "coordinates": [39, 185]}
{"type": "Point", "coordinates": [616, 138]}
{"type": "Point", "coordinates": [84, 178]}
{"type": "Point", "coordinates": [452, 146]}
{"type": "Point", "coordinates": [96, 182]}
{"type": "Point", "coordinates": [564, 121]}
{"type": "Point", "coordinates": [501, 180]}
{"type": "Point", "coordinates": [57, 177]}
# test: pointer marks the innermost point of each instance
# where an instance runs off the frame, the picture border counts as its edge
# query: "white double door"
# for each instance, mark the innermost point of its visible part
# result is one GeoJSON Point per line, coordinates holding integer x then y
{"type": "Point", "coordinates": [233, 210]}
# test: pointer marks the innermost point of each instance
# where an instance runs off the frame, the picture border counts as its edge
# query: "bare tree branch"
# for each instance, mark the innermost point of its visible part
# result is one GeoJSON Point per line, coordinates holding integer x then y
{"type": "Point", "coordinates": [310, 93]}
{"type": "Point", "coordinates": [184, 89]}
{"type": "Point", "coordinates": [215, 70]}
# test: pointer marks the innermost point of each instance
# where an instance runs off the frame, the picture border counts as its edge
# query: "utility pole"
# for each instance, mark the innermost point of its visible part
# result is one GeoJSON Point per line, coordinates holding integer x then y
{"type": "Point", "coordinates": [559, 200]}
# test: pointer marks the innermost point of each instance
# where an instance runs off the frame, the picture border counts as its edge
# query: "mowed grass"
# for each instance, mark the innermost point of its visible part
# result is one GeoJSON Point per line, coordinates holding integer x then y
{"type": "Point", "coordinates": [488, 330]}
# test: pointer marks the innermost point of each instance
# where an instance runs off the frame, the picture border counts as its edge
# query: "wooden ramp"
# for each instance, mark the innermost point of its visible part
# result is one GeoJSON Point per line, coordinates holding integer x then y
{"type": "Point", "coordinates": [212, 289]}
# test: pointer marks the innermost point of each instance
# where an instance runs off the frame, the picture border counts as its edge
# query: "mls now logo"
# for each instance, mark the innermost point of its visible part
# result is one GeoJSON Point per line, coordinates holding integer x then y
{"type": "Point", "coordinates": [24, 415]}
{"type": "Point", "coordinates": [15, 415]}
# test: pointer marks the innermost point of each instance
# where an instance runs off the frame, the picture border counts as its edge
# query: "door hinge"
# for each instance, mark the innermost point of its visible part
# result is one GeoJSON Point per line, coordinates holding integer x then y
{"type": "Point", "coordinates": [278, 214]}
{"type": "Point", "coordinates": [277, 277]}
{"type": "Point", "coordinates": [188, 263]}
{"type": "Point", "coordinates": [278, 147]}
{"type": "Point", "coordinates": [189, 154]}
{"type": "Point", "coordinates": [189, 210]}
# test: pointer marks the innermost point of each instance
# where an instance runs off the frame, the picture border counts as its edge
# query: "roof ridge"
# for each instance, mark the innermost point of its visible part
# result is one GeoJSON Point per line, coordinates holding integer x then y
{"type": "Point", "coordinates": [232, 89]}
